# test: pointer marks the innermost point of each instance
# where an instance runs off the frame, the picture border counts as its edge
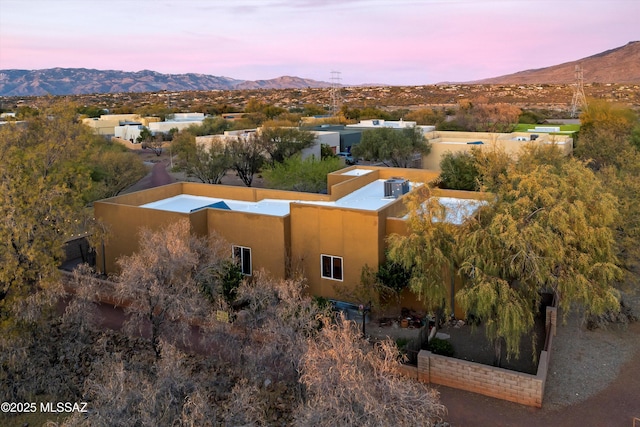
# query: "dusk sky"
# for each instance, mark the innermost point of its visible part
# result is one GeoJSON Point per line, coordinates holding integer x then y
{"type": "Point", "coordinates": [398, 42]}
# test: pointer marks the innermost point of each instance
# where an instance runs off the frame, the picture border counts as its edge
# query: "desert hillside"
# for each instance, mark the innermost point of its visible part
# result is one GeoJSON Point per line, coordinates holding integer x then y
{"type": "Point", "coordinates": [620, 65]}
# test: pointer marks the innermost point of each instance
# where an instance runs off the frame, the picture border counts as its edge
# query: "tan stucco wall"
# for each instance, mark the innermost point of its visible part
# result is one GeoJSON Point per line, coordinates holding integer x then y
{"type": "Point", "coordinates": [266, 235]}
{"type": "Point", "coordinates": [350, 234]}
{"type": "Point", "coordinates": [502, 141]}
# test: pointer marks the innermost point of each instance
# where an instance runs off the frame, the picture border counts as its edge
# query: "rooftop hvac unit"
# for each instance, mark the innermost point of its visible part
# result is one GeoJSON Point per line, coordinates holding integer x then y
{"type": "Point", "coordinates": [396, 187]}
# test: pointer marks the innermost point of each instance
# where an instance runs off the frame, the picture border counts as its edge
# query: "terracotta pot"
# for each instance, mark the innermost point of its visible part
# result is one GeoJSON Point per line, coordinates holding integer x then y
{"type": "Point", "coordinates": [404, 323]}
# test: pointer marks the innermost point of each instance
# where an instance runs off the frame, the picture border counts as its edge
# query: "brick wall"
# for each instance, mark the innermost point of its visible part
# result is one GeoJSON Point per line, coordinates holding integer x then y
{"type": "Point", "coordinates": [487, 380]}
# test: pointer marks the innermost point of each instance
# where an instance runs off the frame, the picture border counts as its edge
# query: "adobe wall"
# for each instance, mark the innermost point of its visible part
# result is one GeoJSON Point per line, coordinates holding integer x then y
{"type": "Point", "coordinates": [506, 142]}
{"type": "Point", "coordinates": [347, 233]}
{"type": "Point", "coordinates": [266, 235]}
{"type": "Point", "coordinates": [124, 223]}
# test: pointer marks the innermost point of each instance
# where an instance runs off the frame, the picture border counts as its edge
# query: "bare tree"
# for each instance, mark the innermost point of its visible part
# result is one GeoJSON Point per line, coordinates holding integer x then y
{"type": "Point", "coordinates": [160, 285]}
{"type": "Point", "coordinates": [349, 382]}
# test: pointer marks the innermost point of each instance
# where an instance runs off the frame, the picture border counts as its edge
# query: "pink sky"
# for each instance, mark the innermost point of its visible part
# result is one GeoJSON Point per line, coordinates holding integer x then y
{"type": "Point", "coordinates": [404, 42]}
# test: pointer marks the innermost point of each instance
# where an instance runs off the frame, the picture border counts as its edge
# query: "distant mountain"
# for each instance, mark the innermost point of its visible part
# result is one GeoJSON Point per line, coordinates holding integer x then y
{"type": "Point", "coordinates": [620, 65]}
{"type": "Point", "coordinates": [77, 81]}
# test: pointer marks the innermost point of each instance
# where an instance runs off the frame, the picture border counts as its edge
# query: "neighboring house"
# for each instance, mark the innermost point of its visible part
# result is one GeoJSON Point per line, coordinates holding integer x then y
{"type": "Point", "coordinates": [327, 237]}
{"type": "Point", "coordinates": [178, 121]}
{"type": "Point", "coordinates": [106, 124]}
{"type": "Point", "coordinates": [332, 139]}
{"type": "Point", "coordinates": [394, 124]}
{"type": "Point", "coordinates": [455, 142]}
{"type": "Point", "coordinates": [129, 131]}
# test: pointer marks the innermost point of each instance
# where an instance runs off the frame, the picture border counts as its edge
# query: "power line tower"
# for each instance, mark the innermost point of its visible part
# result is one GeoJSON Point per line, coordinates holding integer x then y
{"type": "Point", "coordinates": [579, 100]}
{"type": "Point", "coordinates": [336, 99]}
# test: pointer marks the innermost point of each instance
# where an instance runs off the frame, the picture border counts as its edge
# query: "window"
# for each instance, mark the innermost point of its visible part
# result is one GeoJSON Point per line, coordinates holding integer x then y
{"type": "Point", "coordinates": [331, 267]}
{"type": "Point", "coordinates": [242, 255]}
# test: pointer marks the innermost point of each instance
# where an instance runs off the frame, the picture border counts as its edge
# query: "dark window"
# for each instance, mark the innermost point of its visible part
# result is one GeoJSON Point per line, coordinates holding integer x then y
{"type": "Point", "coordinates": [242, 255]}
{"type": "Point", "coordinates": [331, 267]}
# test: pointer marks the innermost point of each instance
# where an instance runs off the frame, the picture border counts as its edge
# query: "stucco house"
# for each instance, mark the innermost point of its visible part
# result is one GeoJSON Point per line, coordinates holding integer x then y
{"type": "Point", "coordinates": [328, 237]}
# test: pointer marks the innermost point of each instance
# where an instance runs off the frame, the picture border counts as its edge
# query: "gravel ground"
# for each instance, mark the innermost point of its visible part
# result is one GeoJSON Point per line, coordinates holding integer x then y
{"type": "Point", "coordinates": [585, 362]}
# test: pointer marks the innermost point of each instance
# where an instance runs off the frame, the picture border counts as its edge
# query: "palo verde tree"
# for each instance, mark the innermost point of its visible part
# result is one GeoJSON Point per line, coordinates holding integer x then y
{"type": "Point", "coordinates": [299, 174]}
{"type": "Point", "coordinates": [547, 231]}
{"type": "Point", "coordinates": [392, 147]}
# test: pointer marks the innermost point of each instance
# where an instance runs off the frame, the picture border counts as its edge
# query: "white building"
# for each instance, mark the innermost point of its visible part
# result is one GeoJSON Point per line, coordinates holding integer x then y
{"type": "Point", "coordinates": [394, 124]}
{"type": "Point", "coordinates": [332, 139]}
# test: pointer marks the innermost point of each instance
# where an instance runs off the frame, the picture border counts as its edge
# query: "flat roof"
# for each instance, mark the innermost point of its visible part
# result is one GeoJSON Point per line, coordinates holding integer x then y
{"type": "Point", "coordinates": [186, 203]}
{"type": "Point", "coordinates": [357, 172]}
{"type": "Point", "coordinates": [458, 210]}
{"type": "Point", "coordinates": [370, 197]}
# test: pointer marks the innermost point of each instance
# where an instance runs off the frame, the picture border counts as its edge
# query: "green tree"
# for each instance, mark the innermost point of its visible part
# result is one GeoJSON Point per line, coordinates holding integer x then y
{"type": "Point", "coordinates": [145, 135]}
{"type": "Point", "coordinates": [392, 147]}
{"type": "Point", "coordinates": [394, 277]}
{"type": "Point", "coordinates": [209, 163]}
{"type": "Point", "coordinates": [459, 171]}
{"type": "Point", "coordinates": [280, 143]}
{"type": "Point", "coordinates": [247, 157]}
{"type": "Point", "coordinates": [427, 251]}
{"type": "Point", "coordinates": [210, 126]}
{"type": "Point", "coordinates": [605, 134]}
{"type": "Point", "coordinates": [44, 183]}
{"type": "Point", "coordinates": [548, 231]}
{"type": "Point", "coordinates": [426, 116]}
{"type": "Point", "coordinates": [296, 174]}
{"type": "Point", "coordinates": [114, 170]}
{"type": "Point", "coordinates": [608, 140]}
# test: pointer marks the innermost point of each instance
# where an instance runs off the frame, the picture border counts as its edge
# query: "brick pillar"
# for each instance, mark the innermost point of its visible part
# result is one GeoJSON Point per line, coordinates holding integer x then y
{"type": "Point", "coordinates": [424, 359]}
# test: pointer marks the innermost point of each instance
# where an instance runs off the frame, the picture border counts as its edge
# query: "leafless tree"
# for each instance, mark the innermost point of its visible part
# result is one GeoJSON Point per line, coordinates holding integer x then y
{"type": "Point", "coordinates": [160, 285]}
{"type": "Point", "coordinates": [348, 382]}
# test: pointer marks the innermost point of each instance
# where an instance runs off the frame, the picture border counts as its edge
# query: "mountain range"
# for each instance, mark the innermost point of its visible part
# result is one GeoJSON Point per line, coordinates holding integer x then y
{"type": "Point", "coordinates": [620, 65]}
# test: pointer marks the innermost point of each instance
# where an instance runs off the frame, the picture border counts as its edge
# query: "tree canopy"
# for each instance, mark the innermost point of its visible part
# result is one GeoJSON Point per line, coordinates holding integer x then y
{"type": "Point", "coordinates": [392, 147]}
{"type": "Point", "coordinates": [427, 251]}
{"type": "Point", "coordinates": [296, 174]}
{"type": "Point", "coordinates": [459, 171]}
{"type": "Point", "coordinates": [548, 231]}
{"type": "Point", "coordinates": [280, 143]}
{"type": "Point", "coordinates": [44, 183]}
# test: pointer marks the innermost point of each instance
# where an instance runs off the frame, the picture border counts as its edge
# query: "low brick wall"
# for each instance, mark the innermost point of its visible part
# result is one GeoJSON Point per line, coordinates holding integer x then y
{"type": "Point", "coordinates": [487, 380]}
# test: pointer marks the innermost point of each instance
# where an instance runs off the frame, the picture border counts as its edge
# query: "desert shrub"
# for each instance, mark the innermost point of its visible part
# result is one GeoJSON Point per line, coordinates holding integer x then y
{"type": "Point", "coordinates": [441, 347]}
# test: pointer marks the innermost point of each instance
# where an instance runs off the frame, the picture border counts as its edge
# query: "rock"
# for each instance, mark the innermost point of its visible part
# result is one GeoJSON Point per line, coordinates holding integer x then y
{"type": "Point", "coordinates": [443, 336]}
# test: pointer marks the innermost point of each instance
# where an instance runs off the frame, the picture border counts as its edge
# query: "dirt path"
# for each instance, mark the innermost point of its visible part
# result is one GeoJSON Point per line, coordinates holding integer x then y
{"type": "Point", "coordinates": [615, 405]}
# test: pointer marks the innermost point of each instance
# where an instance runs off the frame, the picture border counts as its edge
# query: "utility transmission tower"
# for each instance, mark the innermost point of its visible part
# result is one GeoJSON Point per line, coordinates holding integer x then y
{"type": "Point", "coordinates": [579, 100]}
{"type": "Point", "coordinates": [336, 99]}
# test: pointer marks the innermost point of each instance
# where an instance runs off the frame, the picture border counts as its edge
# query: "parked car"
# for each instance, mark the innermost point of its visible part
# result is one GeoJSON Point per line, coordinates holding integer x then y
{"type": "Point", "coordinates": [348, 158]}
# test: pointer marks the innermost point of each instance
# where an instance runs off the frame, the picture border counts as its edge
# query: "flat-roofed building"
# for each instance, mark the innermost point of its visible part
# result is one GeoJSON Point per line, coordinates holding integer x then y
{"type": "Point", "coordinates": [328, 237]}
{"type": "Point", "coordinates": [443, 142]}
